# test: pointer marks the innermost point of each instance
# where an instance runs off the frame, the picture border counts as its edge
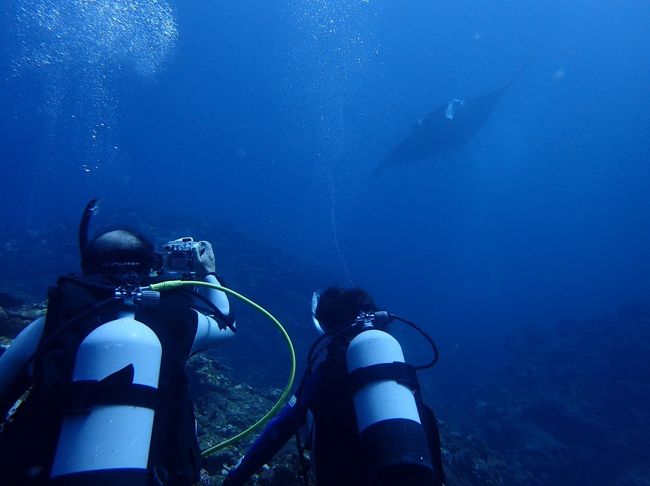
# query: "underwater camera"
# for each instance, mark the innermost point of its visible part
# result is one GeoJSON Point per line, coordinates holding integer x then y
{"type": "Point", "coordinates": [178, 255]}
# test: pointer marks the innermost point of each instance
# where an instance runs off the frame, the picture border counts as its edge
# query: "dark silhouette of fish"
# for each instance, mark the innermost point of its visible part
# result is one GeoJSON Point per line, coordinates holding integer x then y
{"type": "Point", "coordinates": [448, 127]}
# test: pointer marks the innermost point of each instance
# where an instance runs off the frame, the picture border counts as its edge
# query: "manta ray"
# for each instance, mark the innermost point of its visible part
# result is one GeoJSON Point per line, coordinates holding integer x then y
{"type": "Point", "coordinates": [448, 127]}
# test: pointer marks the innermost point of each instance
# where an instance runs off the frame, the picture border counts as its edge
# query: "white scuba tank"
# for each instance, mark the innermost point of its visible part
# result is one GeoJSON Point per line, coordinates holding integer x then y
{"type": "Point", "coordinates": [388, 421]}
{"type": "Point", "coordinates": [110, 441]}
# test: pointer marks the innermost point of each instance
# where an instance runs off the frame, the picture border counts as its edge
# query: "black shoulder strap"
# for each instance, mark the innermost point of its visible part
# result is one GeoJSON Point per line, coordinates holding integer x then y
{"type": "Point", "coordinates": [223, 321]}
{"type": "Point", "coordinates": [400, 372]}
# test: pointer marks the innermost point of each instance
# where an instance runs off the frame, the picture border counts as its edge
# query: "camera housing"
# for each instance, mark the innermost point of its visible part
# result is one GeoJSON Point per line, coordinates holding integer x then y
{"type": "Point", "coordinates": [178, 255]}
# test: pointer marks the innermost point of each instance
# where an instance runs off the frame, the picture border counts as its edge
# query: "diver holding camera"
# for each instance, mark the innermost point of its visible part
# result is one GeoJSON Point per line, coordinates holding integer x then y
{"type": "Point", "coordinates": [184, 259]}
{"type": "Point", "coordinates": [100, 381]}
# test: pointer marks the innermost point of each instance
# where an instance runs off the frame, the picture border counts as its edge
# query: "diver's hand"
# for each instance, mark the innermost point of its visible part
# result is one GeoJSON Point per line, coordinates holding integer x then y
{"type": "Point", "coordinates": [204, 259]}
{"type": "Point", "coordinates": [233, 476]}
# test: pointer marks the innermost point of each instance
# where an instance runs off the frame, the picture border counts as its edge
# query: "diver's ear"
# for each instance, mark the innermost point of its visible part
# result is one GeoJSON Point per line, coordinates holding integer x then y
{"type": "Point", "coordinates": [314, 304]}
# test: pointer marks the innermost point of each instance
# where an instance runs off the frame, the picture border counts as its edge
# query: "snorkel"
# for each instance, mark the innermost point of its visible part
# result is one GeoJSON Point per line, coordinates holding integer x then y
{"type": "Point", "coordinates": [90, 210]}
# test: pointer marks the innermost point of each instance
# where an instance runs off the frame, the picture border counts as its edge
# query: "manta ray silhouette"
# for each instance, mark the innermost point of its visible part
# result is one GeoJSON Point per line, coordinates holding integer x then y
{"type": "Point", "coordinates": [448, 127]}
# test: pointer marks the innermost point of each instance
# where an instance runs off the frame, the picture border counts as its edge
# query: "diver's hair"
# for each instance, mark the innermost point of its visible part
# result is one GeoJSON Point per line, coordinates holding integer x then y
{"type": "Point", "coordinates": [338, 306]}
{"type": "Point", "coordinates": [125, 250]}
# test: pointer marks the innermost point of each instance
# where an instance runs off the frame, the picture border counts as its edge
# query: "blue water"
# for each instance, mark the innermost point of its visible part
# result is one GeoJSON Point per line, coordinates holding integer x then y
{"type": "Point", "coordinates": [271, 116]}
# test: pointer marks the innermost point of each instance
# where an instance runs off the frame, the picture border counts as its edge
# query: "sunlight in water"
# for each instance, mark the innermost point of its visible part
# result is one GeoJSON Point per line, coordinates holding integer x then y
{"type": "Point", "coordinates": [333, 45]}
{"type": "Point", "coordinates": [87, 34]}
{"type": "Point", "coordinates": [79, 51]}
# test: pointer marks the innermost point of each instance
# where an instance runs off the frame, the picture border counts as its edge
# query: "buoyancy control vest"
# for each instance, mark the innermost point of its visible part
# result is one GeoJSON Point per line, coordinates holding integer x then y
{"type": "Point", "coordinates": [110, 399]}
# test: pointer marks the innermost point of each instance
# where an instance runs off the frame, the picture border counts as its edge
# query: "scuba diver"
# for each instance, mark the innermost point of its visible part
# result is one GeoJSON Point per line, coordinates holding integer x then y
{"type": "Point", "coordinates": [95, 392]}
{"type": "Point", "coordinates": [361, 404]}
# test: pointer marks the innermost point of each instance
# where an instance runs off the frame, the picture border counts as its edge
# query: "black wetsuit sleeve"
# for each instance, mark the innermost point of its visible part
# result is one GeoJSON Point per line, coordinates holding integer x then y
{"type": "Point", "coordinates": [275, 435]}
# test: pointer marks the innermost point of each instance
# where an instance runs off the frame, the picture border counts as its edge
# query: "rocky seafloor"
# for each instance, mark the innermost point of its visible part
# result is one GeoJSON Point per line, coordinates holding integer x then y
{"type": "Point", "coordinates": [572, 407]}
{"type": "Point", "coordinates": [225, 407]}
{"type": "Point", "coordinates": [570, 404]}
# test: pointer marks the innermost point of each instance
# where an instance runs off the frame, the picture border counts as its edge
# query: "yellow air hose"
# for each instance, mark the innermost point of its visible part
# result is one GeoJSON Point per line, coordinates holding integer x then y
{"type": "Point", "coordinates": [174, 284]}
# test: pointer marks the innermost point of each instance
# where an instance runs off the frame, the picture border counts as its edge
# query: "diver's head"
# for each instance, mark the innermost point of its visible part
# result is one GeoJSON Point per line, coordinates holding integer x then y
{"type": "Point", "coordinates": [339, 307]}
{"type": "Point", "coordinates": [118, 252]}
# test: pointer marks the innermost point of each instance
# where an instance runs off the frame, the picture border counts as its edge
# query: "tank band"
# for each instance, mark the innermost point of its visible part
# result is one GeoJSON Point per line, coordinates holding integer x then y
{"type": "Point", "coordinates": [402, 373]}
{"type": "Point", "coordinates": [116, 389]}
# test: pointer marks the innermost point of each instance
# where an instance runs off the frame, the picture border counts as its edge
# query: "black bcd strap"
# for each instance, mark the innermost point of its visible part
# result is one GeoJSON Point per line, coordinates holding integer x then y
{"type": "Point", "coordinates": [116, 389]}
{"type": "Point", "coordinates": [398, 371]}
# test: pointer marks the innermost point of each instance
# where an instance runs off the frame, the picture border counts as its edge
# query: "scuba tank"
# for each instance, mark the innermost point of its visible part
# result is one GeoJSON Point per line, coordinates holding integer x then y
{"type": "Point", "coordinates": [390, 429]}
{"type": "Point", "coordinates": [116, 373]}
{"type": "Point", "coordinates": [399, 445]}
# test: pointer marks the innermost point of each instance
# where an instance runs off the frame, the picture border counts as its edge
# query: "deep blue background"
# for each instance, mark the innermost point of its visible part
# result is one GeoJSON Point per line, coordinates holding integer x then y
{"type": "Point", "coordinates": [271, 116]}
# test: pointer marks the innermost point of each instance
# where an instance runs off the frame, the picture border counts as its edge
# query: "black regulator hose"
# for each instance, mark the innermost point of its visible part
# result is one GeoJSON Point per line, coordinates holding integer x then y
{"type": "Point", "coordinates": [223, 321]}
{"type": "Point", "coordinates": [434, 348]}
{"type": "Point", "coordinates": [380, 317]}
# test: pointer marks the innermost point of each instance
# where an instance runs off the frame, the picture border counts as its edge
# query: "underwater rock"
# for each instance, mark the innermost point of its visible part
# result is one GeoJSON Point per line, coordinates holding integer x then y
{"type": "Point", "coordinates": [468, 461]}
{"type": "Point", "coordinates": [11, 323]}
{"type": "Point", "coordinates": [12, 326]}
{"type": "Point", "coordinates": [572, 406]}
{"type": "Point", "coordinates": [224, 408]}
{"type": "Point", "coordinates": [7, 300]}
